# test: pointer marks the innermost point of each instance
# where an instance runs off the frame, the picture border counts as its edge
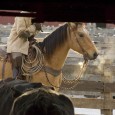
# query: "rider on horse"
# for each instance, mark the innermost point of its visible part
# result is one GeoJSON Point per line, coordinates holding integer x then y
{"type": "Point", "coordinates": [22, 33]}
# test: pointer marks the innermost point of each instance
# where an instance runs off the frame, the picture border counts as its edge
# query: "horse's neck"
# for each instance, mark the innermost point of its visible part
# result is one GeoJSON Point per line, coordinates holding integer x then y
{"type": "Point", "coordinates": [58, 57]}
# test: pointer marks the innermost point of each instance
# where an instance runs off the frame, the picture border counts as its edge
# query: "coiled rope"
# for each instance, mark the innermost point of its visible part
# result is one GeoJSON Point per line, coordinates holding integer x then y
{"type": "Point", "coordinates": [32, 66]}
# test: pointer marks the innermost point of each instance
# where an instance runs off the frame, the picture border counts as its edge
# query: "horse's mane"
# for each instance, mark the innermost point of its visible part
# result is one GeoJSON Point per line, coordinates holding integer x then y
{"type": "Point", "coordinates": [54, 40]}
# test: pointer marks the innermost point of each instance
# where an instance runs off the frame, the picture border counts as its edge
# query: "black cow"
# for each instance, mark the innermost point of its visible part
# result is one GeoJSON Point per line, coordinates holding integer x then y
{"type": "Point", "coordinates": [18, 97]}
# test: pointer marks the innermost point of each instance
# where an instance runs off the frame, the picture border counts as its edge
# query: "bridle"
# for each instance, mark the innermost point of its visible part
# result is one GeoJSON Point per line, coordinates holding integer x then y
{"type": "Point", "coordinates": [84, 52]}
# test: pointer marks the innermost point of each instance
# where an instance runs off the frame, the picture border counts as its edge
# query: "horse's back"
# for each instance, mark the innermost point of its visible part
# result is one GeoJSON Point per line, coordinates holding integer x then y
{"type": "Point", "coordinates": [7, 69]}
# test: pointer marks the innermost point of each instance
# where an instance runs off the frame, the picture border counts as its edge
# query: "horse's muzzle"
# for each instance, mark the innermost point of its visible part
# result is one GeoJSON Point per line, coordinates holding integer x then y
{"type": "Point", "coordinates": [95, 55]}
{"type": "Point", "coordinates": [88, 57]}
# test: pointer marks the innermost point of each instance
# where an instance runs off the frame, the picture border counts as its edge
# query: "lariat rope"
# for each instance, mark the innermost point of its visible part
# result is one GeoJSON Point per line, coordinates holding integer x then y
{"type": "Point", "coordinates": [30, 67]}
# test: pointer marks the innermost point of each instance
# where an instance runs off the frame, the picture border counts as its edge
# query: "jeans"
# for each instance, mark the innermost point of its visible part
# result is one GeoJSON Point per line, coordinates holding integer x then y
{"type": "Point", "coordinates": [16, 64]}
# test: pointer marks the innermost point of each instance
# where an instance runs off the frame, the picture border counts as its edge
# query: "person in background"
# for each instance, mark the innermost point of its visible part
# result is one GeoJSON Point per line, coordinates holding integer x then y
{"type": "Point", "coordinates": [22, 32]}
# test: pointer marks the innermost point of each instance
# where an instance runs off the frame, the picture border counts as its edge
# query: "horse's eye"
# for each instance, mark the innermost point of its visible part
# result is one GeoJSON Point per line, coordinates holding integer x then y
{"type": "Point", "coordinates": [81, 34]}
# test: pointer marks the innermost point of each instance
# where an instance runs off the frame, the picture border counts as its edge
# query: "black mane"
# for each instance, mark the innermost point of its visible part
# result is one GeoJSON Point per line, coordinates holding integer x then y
{"type": "Point", "coordinates": [54, 40]}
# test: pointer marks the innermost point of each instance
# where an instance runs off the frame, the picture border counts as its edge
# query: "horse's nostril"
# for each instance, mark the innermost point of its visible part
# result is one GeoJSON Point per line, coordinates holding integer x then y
{"type": "Point", "coordinates": [95, 55]}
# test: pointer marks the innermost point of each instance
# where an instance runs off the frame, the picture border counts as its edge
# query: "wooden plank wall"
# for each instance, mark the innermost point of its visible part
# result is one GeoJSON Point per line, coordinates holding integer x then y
{"type": "Point", "coordinates": [94, 103]}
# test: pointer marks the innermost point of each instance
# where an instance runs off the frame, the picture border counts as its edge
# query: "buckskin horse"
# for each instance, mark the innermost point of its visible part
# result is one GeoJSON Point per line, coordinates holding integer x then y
{"type": "Point", "coordinates": [52, 53]}
{"type": "Point", "coordinates": [19, 97]}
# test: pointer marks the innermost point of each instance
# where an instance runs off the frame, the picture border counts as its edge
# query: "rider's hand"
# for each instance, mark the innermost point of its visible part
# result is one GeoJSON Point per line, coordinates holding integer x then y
{"type": "Point", "coordinates": [24, 35]}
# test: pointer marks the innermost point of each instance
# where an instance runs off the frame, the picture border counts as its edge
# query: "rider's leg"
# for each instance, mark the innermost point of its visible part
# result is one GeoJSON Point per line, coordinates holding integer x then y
{"type": "Point", "coordinates": [16, 64]}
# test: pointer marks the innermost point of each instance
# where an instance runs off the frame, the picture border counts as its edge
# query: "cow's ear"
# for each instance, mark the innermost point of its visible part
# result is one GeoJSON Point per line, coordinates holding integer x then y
{"type": "Point", "coordinates": [65, 99]}
{"type": "Point", "coordinates": [16, 92]}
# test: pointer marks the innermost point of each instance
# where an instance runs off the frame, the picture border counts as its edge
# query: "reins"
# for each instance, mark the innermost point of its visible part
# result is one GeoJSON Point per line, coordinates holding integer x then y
{"type": "Point", "coordinates": [76, 80]}
{"type": "Point", "coordinates": [70, 82]}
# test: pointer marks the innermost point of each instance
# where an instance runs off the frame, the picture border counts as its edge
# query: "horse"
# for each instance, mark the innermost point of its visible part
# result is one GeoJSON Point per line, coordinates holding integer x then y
{"type": "Point", "coordinates": [54, 50]}
{"type": "Point", "coordinates": [19, 97]}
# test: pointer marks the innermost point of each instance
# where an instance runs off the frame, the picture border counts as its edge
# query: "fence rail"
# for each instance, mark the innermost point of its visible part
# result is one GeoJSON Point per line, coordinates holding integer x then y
{"type": "Point", "coordinates": [106, 103]}
{"type": "Point", "coordinates": [92, 86]}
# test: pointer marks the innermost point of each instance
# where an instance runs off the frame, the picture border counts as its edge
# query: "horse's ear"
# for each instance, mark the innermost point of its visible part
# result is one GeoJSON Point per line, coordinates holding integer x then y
{"type": "Point", "coordinates": [69, 23]}
{"type": "Point", "coordinates": [79, 23]}
{"type": "Point", "coordinates": [72, 24]}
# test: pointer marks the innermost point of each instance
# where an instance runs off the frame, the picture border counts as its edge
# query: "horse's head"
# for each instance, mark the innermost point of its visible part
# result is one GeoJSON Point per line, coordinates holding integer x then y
{"type": "Point", "coordinates": [80, 41]}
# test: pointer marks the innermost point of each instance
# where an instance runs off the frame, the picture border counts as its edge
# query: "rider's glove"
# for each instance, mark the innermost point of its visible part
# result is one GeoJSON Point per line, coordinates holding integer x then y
{"type": "Point", "coordinates": [24, 35]}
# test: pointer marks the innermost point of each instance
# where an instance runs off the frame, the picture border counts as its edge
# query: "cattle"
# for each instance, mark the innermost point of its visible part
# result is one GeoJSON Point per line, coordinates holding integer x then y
{"type": "Point", "coordinates": [19, 97]}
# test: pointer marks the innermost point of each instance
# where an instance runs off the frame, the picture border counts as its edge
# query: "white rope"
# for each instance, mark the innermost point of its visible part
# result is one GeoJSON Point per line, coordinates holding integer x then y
{"type": "Point", "coordinates": [31, 67]}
